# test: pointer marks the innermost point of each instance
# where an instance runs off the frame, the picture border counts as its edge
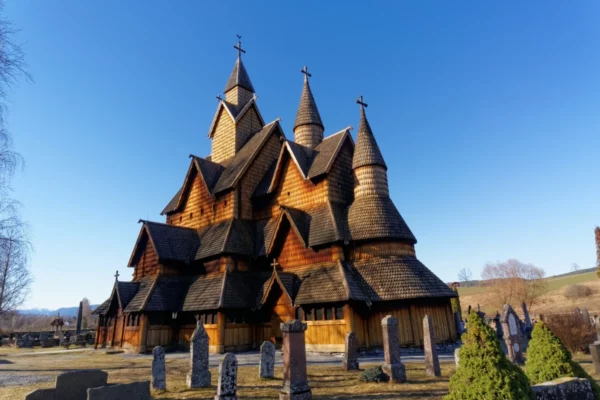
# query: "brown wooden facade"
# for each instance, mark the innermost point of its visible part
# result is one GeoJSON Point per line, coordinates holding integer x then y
{"type": "Point", "coordinates": [268, 229]}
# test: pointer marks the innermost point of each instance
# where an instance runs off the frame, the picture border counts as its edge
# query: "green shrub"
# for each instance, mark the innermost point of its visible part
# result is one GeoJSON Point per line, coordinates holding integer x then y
{"type": "Point", "coordinates": [484, 373]}
{"type": "Point", "coordinates": [455, 303]}
{"type": "Point", "coordinates": [549, 359]}
{"type": "Point", "coordinates": [374, 374]}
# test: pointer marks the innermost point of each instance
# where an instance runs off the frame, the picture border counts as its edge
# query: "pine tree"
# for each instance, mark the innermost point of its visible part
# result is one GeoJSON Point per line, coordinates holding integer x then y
{"type": "Point", "coordinates": [484, 372]}
{"type": "Point", "coordinates": [549, 359]}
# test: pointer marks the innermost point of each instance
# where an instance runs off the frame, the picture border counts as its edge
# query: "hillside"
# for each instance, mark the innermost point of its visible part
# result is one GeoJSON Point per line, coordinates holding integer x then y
{"type": "Point", "coordinates": [63, 311]}
{"type": "Point", "coordinates": [553, 300]}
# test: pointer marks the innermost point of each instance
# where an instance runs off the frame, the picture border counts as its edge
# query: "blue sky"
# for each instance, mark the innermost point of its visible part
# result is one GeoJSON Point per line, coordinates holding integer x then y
{"type": "Point", "coordinates": [486, 113]}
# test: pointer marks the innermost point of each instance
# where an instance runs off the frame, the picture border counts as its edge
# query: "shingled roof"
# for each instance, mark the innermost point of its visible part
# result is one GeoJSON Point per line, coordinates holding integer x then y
{"type": "Point", "coordinates": [376, 217]}
{"type": "Point", "coordinates": [308, 113]}
{"type": "Point", "coordinates": [397, 278]}
{"type": "Point", "coordinates": [366, 151]}
{"type": "Point", "coordinates": [173, 243]}
{"type": "Point", "coordinates": [233, 236]}
{"type": "Point", "coordinates": [138, 302]}
{"type": "Point", "coordinates": [239, 77]}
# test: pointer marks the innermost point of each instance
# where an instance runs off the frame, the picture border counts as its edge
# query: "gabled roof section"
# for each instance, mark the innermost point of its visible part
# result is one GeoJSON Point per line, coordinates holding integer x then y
{"type": "Point", "coordinates": [139, 300]}
{"type": "Point", "coordinates": [311, 163]}
{"type": "Point", "coordinates": [298, 221]}
{"type": "Point", "coordinates": [239, 77]}
{"type": "Point", "coordinates": [243, 158]}
{"type": "Point", "coordinates": [376, 217]}
{"type": "Point", "coordinates": [235, 112]}
{"type": "Point", "coordinates": [308, 113]}
{"type": "Point", "coordinates": [321, 284]}
{"type": "Point", "coordinates": [287, 282]}
{"type": "Point", "coordinates": [208, 170]}
{"type": "Point", "coordinates": [327, 224]}
{"type": "Point", "coordinates": [366, 151]}
{"type": "Point", "coordinates": [264, 233]}
{"type": "Point", "coordinates": [172, 243]}
{"type": "Point", "coordinates": [231, 237]}
{"type": "Point", "coordinates": [204, 293]}
{"type": "Point", "coordinates": [168, 293]}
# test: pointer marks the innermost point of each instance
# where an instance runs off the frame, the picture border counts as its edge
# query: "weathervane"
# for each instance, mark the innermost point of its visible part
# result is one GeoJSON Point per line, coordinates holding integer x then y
{"type": "Point", "coordinates": [239, 46]}
{"type": "Point", "coordinates": [361, 102]}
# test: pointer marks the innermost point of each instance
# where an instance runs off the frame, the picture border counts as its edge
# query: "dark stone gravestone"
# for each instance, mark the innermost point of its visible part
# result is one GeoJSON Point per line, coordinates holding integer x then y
{"type": "Point", "coordinates": [199, 375]}
{"type": "Point", "coordinates": [512, 336]}
{"type": "Point", "coordinates": [432, 363]}
{"type": "Point", "coordinates": [266, 367]}
{"type": "Point", "coordinates": [227, 385]}
{"type": "Point", "coordinates": [295, 378]}
{"type": "Point", "coordinates": [159, 373]}
{"type": "Point", "coordinates": [392, 366]}
{"type": "Point", "coordinates": [351, 354]}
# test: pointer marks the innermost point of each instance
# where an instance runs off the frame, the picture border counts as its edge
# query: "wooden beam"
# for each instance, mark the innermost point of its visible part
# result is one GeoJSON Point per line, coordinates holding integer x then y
{"type": "Point", "coordinates": [220, 342]}
{"type": "Point", "coordinates": [142, 333]}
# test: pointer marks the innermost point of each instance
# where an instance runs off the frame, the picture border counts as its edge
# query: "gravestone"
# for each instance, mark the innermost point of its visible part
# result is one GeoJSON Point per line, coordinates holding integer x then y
{"type": "Point", "coordinates": [432, 362]}
{"type": "Point", "coordinates": [597, 326]}
{"type": "Point", "coordinates": [351, 353]}
{"type": "Point", "coordinates": [266, 366]}
{"type": "Point", "coordinates": [295, 379]}
{"type": "Point", "coordinates": [595, 353]}
{"type": "Point", "coordinates": [79, 318]}
{"type": "Point", "coordinates": [227, 386]}
{"type": "Point", "coordinates": [512, 336]}
{"type": "Point", "coordinates": [564, 389]}
{"type": "Point", "coordinates": [126, 391]}
{"type": "Point", "coordinates": [391, 350]}
{"type": "Point", "coordinates": [458, 324]}
{"type": "Point", "coordinates": [457, 356]}
{"type": "Point", "coordinates": [577, 312]}
{"type": "Point", "coordinates": [586, 316]}
{"type": "Point", "coordinates": [159, 372]}
{"type": "Point", "coordinates": [74, 385]}
{"type": "Point", "coordinates": [41, 394]}
{"type": "Point", "coordinates": [527, 319]}
{"type": "Point", "coordinates": [199, 375]}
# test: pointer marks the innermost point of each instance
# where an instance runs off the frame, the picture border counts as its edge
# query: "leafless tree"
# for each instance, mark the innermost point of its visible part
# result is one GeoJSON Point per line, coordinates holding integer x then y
{"type": "Point", "coordinates": [575, 267]}
{"type": "Point", "coordinates": [14, 272]}
{"type": "Point", "coordinates": [88, 321]}
{"type": "Point", "coordinates": [513, 282]}
{"type": "Point", "coordinates": [465, 275]}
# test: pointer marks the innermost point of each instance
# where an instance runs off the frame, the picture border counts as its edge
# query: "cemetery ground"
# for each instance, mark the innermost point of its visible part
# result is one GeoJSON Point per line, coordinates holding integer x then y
{"type": "Point", "coordinates": [328, 381]}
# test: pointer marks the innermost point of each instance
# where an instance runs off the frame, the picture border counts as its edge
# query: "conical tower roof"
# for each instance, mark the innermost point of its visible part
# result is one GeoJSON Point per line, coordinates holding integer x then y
{"type": "Point", "coordinates": [239, 77]}
{"type": "Point", "coordinates": [308, 114]}
{"type": "Point", "coordinates": [366, 151]}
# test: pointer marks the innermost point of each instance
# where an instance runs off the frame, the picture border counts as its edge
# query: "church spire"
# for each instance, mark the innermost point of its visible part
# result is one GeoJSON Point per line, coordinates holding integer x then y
{"type": "Point", "coordinates": [239, 89]}
{"type": "Point", "coordinates": [366, 151]}
{"type": "Point", "coordinates": [308, 128]}
{"type": "Point", "coordinates": [370, 171]}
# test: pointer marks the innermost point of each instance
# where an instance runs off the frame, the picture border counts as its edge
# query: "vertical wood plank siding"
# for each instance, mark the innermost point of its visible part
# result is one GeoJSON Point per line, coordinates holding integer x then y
{"type": "Point", "coordinates": [293, 254]}
{"type": "Point", "coordinates": [223, 144]}
{"type": "Point", "coordinates": [147, 264]}
{"type": "Point", "coordinates": [341, 183]}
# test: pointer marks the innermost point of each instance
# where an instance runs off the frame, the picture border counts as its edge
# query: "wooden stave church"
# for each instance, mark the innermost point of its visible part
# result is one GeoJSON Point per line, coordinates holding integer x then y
{"type": "Point", "coordinates": [267, 229]}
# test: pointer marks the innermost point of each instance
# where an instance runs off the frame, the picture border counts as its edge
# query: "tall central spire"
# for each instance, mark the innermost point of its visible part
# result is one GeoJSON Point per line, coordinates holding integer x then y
{"type": "Point", "coordinates": [308, 128]}
{"type": "Point", "coordinates": [239, 89]}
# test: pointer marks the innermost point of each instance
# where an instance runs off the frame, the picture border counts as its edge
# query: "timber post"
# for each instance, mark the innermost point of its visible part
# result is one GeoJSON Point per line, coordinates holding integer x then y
{"type": "Point", "coordinates": [220, 342]}
{"type": "Point", "coordinates": [97, 338]}
{"type": "Point", "coordinates": [143, 331]}
{"type": "Point", "coordinates": [414, 323]}
{"type": "Point", "coordinates": [114, 331]}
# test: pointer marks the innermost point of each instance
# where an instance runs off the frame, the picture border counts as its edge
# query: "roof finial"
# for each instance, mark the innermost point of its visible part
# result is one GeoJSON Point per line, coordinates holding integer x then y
{"type": "Point", "coordinates": [117, 275]}
{"type": "Point", "coordinates": [219, 98]}
{"type": "Point", "coordinates": [361, 102]}
{"type": "Point", "coordinates": [239, 46]}
{"type": "Point", "coordinates": [305, 72]}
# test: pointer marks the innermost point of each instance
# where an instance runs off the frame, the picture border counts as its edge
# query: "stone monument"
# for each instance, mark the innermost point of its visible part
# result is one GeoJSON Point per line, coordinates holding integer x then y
{"type": "Point", "coordinates": [351, 353]}
{"type": "Point", "coordinates": [199, 375]}
{"type": "Point", "coordinates": [432, 362]}
{"type": "Point", "coordinates": [159, 373]}
{"type": "Point", "coordinates": [266, 367]}
{"type": "Point", "coordinates": [391, 350]}
{"type": "Point", "coordinates": [512, 336]}
{"type": "Point", "coordinates": [295, 379]}
{"type": "Point", "coordinates": [227, 386]}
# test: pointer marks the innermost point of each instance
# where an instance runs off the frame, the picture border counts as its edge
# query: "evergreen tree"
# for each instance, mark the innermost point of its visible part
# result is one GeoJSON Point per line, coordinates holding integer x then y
{"type": "Point", "coordinates": [484, 372]}
{"type": "Point", "coordinates": [549, 359]}
{"type": "Point", "coordinates": [455, 302]}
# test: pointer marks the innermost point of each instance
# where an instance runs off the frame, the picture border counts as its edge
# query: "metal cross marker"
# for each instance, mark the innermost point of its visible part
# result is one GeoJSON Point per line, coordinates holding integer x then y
{"type": "Point", "coordinates": [305, 71]}
{"type": "Point", "coordinates": [117, 275]}
{"type": "Point", "coordinates": [239, 46]}
{"type": "Point", "coordinates": [275, 264]}
{"type": "Point", "coordinates": [361, 102]}
{"type": "Point", "coordinates": [219, 98]}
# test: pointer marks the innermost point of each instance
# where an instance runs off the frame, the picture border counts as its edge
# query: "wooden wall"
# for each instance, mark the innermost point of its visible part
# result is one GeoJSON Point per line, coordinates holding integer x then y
{"type": "Point", "coordinates": [185, 333]}
{"type": "Point", "coordinates": [147, 264]}
{"type": "Point", "coordinates": [238, 337]}
{"type": "Point", "coordinates": [246, 126]}
{"type": "Point", "coordinates": [362, 251]}
{"type": "Point", "coordinates": [325, 335]}
{"type": "Point", "coordinates": [292, 253]}
{"type": "Point", "coordinates": [200, 208]}
{"type": "Point", "coordinates": [131, 337]}
{"type": "Point", "coordinates": [223, 142]}
{"type": "Point", "coordinates": [341, 182]}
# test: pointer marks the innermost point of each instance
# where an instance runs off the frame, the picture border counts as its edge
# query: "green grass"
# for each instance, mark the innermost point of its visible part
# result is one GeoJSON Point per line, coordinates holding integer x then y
{"type": "Point", "coordinates": [553, 283]}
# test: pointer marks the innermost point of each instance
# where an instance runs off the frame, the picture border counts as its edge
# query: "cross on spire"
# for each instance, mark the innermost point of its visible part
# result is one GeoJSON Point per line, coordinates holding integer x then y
{"type": "Point", "coordinates": [275, 264]}
{"type": "Point", "coordinates": [117, 275]}
{"type": "Point", "coordinates": [305, 72]}
{"type": "Point", "coordinates": [361, 102]}
{"type": "Point", "coordinates": [219, 98]}
{"type": "Point", "coordinates": [239, 46]}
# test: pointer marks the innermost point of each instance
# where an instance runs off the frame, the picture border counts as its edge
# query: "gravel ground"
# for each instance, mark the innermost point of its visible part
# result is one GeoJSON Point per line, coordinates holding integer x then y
{"type": "Point", "coordinates": [14, 379]}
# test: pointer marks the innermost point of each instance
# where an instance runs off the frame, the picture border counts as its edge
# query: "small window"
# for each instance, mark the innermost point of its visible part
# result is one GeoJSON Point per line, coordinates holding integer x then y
{"type": "Point", "coordinates": [328, 313]}
{"type": "Point", "coordinates": [339, 313]}
{"type": "Point", "coordinates": [308, 314]}
{"type": "Point", "coordinates": [201, 211]}
{"type": "Point", "coordinates": [288, 193]}
{"type": "Point", "coordinates": [225, 203]}
{"type": "Point", "coordinates": [180, 218]}
{"type": "Point", "coordinates": [318, 314]}
{"type": "Point", "coordinates": [191, 215]}
{"type": "Point", "coordinates": [214, 207]}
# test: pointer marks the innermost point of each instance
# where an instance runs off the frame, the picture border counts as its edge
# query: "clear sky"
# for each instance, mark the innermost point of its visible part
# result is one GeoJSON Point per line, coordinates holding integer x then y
{"type": "Point", "coordinates": [487, 114]}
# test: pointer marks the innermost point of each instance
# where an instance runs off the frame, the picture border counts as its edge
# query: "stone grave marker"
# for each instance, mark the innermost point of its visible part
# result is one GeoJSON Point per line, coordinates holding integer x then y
{"type": "Point", "coordinates": [74, 385]}
{"type": "Point", "coordinates": [527, 319]}
{"type": "Point", "coordinates": [295, 378]}
{"type": "Point", "coordinates": [566, 388]}
{"type": "Point", "coordinates": [159, 372]}
{"type": "Point", "coordinates": [266, 366]}
{"type": "Point", "coordinates": [391, 350]}
{"type": "Point", "coordinates": [432, 362]}
{"type": "Point", "coordinates": [586, 316]}
{"type": "Point", "coordinates": [126, 391]}
{"type": "Point", "coordinates": [199, 375]}
{"type": "Point", "coordinates": [351, 353]}
{"type": "Point", "coordinates": [512, 337]}
{"type": "Point", "coordinates": [595, 353]}
{"type": "Point", "coordinates": [227, 386]}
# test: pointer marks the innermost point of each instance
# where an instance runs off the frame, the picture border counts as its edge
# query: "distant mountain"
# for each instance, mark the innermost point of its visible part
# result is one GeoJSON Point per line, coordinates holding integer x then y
{"type": "Point", "coordinates": [63, 311]}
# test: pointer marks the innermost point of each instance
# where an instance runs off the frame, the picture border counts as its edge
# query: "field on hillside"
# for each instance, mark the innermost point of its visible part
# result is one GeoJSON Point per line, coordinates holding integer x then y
{"type": "Point", "coordinates": [553, 300]}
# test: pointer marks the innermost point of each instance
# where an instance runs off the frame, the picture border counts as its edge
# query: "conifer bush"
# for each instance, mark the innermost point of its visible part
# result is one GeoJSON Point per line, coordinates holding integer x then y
{"type": "Point", "coordinates": [374, 374]}
{"type": "Point", "coordinates": [549, 359]}
{"type": "Point", "coordinates": [484, 372]}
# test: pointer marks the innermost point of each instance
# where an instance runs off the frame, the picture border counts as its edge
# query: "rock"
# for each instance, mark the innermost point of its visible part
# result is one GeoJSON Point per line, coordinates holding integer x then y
{"type": "Point", "coordinates": [227, 385]}
{"type": "Point", "coordinates": [351, 354]}
{"type": "Point", "coordinates": [267, 360]}
{"type": "Point", "coordinates": [564, 389]}
{"type": "Point", "coordinates": [159, 373]}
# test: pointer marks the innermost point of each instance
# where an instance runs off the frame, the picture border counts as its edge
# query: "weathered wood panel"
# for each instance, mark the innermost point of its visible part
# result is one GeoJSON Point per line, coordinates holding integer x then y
{"type": "Point", "coordinates": [362, 251]}
{"type": "Point", "coordinates": [159, 335]}
{"type": "Point", "coordinates": [341, 183]}
{"type": "Point", "coordinates": [131, 337]}
{"type": "Point", "coordinates": [238, 337]}
{"type": "Point", "coordinates": [185, 333]}
{"type": "Point", "coordinates": [246, 126]}
{"type": "Point", "coordinates": [325, 335]}
{"type": "Point", "coordinates": [293, 191]}
{"type": "Point", "coordinates": [148, 262]}
{"type": "Point", "coordinates": [293, 254]}
{"type": "Point", "coordinates": [223, 140]}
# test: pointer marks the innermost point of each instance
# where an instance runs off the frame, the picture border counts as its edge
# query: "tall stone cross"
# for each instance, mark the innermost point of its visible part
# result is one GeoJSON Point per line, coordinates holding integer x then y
{"type": "Point", "coordinates": [275, 264]}
{"type": "Point", "coordinates": [239, 46]}
{"type": "Point", "coordinates": [361, 102]}
{"type": "Point", "coordinates": [305, 72]}
{"type": "Point", "coordinates": [117, 275]}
